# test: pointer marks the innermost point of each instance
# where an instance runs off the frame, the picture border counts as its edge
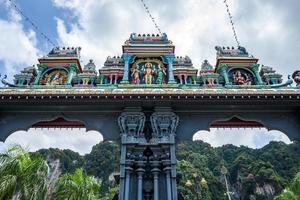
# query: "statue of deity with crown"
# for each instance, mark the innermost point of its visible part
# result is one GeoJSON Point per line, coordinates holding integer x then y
{"type": "Point", "coordinates": [135, 75]}
{"type": "Point", "coordinates": [161, 73]}
{"type": "Point", "coordinates": [239, 79]}
{"type": "Point", "coordinates": [148, 72]}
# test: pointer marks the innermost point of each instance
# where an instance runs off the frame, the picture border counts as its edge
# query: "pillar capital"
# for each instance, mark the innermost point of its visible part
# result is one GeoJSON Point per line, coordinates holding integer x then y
{"type": "Point", "coordinates": [72, 67]}
{"type": "Point", "coordinates": [155, 171]}
{"type": "Point", "coordinates": [164, 123]}
{"type": "Point", "coordinates": [255, 67]}
{"type": "Point", "coordinates": [131, 123]}
{"type": "Point", "coordinates": [127, 57]}
{"type": "Point", "coordinates": [168, 58]}
{"type": "Point", "coordinates": [41, 67]}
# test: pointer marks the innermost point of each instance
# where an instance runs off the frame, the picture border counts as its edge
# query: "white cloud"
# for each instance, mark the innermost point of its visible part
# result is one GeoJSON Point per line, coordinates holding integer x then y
{"type": "Point", "coordinates": [77, 140]}
{"type": "Point", "coordinates": [18, 47]}
{"type": "Point", "coordinates": [253, 138]}
{"type": "Point", "coordinates": [2, 147]}
{"type": "Point", "coordinates": [194, 26]}
{"type": "Point", "coordinates": [103, 26]}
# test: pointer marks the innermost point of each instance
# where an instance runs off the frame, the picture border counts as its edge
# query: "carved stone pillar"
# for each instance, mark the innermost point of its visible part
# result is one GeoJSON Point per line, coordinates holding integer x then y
{"type": "Point", "coordinates": [127, 58]}
{"type": "Point", "coordinates": [155, 171]}
{"type": "Point", "coordinates": [223, 69]}
{"type": "Point", "coordinates": [131, 124]}
{"type": "Point", "coordinates": [168, 181]}
{"type": "Point", "coordinates": [185, 79]}
{"type": "Point", "coordinates": [169, 58]}
{"type": "Point", "coordinates": [41, 68]}
{"type": "Point", "coordinates": [255, 69]}
{"type": "Point", "coordinates": [140, 172]}
{"type": "Point", "coordinates": [72, 72]}
{"type": "Point", "coordinates": [110, 79]}
{"type": "Point", "coordinates": [127, 183]}
{"type": "Point", "coordinates": [164, 124]}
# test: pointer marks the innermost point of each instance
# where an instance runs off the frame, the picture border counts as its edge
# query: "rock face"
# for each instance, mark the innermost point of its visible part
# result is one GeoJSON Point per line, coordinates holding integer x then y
{"type": "Point", "coordinates": [54, 173]}
{"type": "Point", "coordinates": [267, 191]}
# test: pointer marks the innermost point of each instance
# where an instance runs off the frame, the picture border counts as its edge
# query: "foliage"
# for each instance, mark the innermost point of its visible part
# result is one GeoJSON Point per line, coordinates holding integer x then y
{"type": "Point", "coordinates": [22, 175]}
{"type": "Point", "coordinates": [102, 162]}
{"type": "Point", "coordinates": [292, 192]}
{"type": "Point", "coordinates": [76, 186]}
{"type": "Point", "coordinates": [69, 160]}
{"type": "Point", "coordinates": [252, 173]}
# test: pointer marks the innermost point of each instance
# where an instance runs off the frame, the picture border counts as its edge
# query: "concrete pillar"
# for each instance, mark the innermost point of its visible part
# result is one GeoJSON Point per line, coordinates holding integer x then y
{"type": "Point", "coordinates": [255, 69]}
{"type": "Point", "coordinates": [168, 181]}
{"type": "Point", "coordinates": [155, 172]}
{"type": "Point", "coordinates": [72, 71]}
{"type": "Point", "coordinates": [41, 68]}
{"type": "Point", "coordinates": [127, 58]}
{"type": "Point", "coordinates": [127, 183]}
{"type": "Point", "coordinates": [185, 79]}
{"type": "Point", "coordinates": [169, 59]}
{"type": "Point", "coordinates": [223, 68]}
{"type": "Point", "coordinates": [140, 173]}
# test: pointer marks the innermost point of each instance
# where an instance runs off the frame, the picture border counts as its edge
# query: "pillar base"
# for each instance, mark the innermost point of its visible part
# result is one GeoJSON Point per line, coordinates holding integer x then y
{"type": "Point", "coordinates": [172, 82]}
{"type": "Point", "coordinates": [124, 82]}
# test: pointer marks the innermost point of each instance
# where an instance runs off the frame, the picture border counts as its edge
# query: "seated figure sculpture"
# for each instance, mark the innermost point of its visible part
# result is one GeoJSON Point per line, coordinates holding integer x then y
{"type": "Point", "coordinates": [239, 79]}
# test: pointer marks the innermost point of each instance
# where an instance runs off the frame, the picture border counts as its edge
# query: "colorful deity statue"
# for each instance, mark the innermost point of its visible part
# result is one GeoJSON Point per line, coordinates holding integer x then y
{"type": "Point", "coordinates": [148, 73]}
{"type": "Point", "coordinates": [296, 77]}
{"type": "Point", "coordinates": [161, 73]}
{"type": "Point", "coordinates": [54, 78]}
{"type": "Point", "coordinates": [239, 79]}
{"type": "Point", "coordinates": [135, 75]}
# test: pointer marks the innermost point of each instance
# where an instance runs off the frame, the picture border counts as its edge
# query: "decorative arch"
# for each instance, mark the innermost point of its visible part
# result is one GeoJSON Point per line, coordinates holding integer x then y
{"type": "Point", "coordinates": [285, 123]}
{"type": "Point", "coordinates": [104, 124]}
{"type": "Point", "coordinates": [53, 71]}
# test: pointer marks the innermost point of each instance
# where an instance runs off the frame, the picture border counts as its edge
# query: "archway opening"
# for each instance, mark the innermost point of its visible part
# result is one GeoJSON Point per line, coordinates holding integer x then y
{"type": "Point", "coordinates": [240, 132]}
{"type": "Point", "coordinates": [58, 133]}
{"type": "Point", "coordinates": [250, 137]}
{"type": "Point", "coordinates": [236, 157]}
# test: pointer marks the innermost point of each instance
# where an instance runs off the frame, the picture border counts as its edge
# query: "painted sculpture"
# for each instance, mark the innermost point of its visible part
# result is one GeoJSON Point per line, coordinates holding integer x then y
{"type": "Point", "coordinates": [148, 72]}
{"type": "Point", "coordinates": [150, 60]}
{"type": "Point", "coordinates": [296, 77]}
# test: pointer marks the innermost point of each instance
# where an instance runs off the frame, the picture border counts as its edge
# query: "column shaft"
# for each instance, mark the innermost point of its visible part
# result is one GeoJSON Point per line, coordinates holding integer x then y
{"type": "Point", "coordinates": [169, 193]}
{"type": "Point", "coordinates": [126, 57]}
{"type": "Point", "coordinates": [127, 185]}
{"type": "Point", "coordinates": [156, 190]}
{"type": "Point", "coordinates": [140, 188]}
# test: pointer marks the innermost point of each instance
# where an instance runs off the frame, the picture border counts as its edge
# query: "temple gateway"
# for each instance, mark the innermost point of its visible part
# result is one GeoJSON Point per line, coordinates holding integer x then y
{"type": "Point", "coordinates": [147, 100]}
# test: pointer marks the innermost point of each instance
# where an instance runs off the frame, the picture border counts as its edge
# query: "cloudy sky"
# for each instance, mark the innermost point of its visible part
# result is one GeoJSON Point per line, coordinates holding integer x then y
{"type": "Point", "coordinates": [269, 29]}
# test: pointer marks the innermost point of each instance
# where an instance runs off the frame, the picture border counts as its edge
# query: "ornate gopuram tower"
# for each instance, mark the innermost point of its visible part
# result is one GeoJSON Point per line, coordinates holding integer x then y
{"type": "Point", "coordinates": [147, 100]}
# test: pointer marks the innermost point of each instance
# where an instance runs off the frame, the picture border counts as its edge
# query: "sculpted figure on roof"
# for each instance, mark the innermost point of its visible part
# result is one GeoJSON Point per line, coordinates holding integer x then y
{"type": "Point", "coordinates": [231, 51]}
{"type": "Point", "coordinates": [148, 73]}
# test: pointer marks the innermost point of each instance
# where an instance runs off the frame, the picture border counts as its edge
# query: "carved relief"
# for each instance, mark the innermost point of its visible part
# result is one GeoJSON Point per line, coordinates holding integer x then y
{"type": "Point", "coordinates": [54, 77]}
{"type": "Point", "coordinates": [148, 71]}
{"type": "Point", "coordinates": [164, 123]}
{"type": "Point", "coordinates": [132, 123]}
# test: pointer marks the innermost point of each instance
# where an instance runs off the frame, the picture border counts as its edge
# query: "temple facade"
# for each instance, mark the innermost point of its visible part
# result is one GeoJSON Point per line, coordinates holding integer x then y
{"type": "Point", "coordinates": [148, 99]}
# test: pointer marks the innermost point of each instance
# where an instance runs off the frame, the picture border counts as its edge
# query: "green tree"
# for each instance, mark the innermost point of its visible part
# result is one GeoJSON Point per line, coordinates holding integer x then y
{"type": "Point", "coordinates": [293, 191]}
{"type": "Point", "coordinates": [102, 162]}
{"type": "Point", "coordinates": [76, 186]}
{"type": "Point", "coordinates": [23, 176]}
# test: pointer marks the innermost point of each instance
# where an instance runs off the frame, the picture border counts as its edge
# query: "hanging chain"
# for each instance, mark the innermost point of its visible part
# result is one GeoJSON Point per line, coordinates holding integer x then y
{"type": "Point", "coordinates": [26, 18]}
{"type": "Point", "coordinates": [232, 24]}
{"type": "Point", "coordinates": [151, 17]}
